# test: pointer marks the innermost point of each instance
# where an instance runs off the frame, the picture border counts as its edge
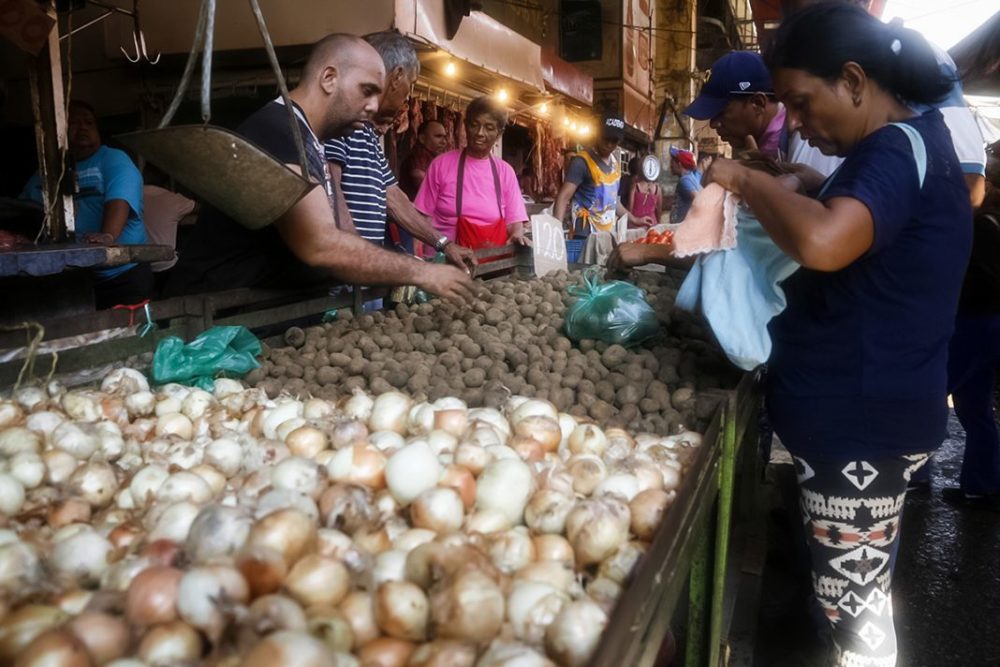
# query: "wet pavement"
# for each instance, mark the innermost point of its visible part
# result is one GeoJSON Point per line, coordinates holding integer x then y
{"type": "Point", "coordinates": [946, 587]}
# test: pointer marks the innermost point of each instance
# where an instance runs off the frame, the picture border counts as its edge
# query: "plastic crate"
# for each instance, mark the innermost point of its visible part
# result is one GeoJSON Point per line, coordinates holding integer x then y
{"type": "Point", "coordinates": [574, 250]}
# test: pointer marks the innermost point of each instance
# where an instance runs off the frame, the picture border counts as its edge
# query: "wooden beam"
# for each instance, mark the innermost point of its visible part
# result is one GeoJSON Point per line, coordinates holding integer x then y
{"type": "Point", "coordinates": [48, 106]}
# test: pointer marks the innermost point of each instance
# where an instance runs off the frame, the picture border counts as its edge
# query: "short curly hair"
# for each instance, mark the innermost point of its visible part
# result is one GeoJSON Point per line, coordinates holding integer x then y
{"type": "Point", "coordinates": [487, 105]}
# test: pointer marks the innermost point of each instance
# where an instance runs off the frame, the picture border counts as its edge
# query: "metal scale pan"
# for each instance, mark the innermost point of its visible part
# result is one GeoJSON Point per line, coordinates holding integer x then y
{"type": "Point", "coordinates": [225, 170]}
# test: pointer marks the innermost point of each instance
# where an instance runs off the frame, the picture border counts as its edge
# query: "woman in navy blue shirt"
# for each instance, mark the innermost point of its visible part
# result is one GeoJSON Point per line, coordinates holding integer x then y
{"type": "Point", "coordinates": [857, 377]}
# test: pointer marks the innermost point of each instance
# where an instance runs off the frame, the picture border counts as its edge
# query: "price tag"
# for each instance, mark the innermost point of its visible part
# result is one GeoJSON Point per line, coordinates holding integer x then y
{"type": "Point", "coordinates": [548, 244]}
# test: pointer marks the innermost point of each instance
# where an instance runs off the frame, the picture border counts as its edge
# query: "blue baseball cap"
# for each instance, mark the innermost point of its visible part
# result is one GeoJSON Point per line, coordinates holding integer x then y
{"type": "Point", "coordinates": [733, 75]}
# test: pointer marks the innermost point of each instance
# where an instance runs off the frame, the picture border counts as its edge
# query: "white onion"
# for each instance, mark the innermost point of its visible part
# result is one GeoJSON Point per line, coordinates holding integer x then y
{"type": "Point", "coordinates": [532, 607]}
{"type": "Point", "coordinates": [587, 439]}
{"type": "Point", "coordinates": [359, 611]}
{"type": "Point", "coordinates": [505, 485]}
{"type": "Point", "coordinates": [298, 474]}
{"type": "Point", "coordinates": [468, 606]}
{"type": "Point", "coordinates": [196, 404]}
{"type": "Point", "coordinates": [408, 540]}
{"type": "Point", "coordinates": [358, 464]}
{"type": "Point", "coordinates": [623, 485]}
{"type": "Point", "coordinates": [217, 534]}
{"type": "Point", "coordinates": [547, 510]}
{"type": "Point", "coordinates": [420, 420]}
{"type": "Point", "coordinates": [596, 527]}
{"type": "Point", "coordinates": [174, 423]}
{"type": "Point", "coordinates": [555, 548]}
{"type": "Point", "coordinates": [487, 521]}
{"type": "Point", "coordinates": [19, 440]}
{"type": "Point", "coordinates": [223, 387]}
{"type": "Point", "coordinates": [390, 412]}
{"type": "Point", "coordinates": [411, 471]}
{"type": "Point", "coordinates": [10, 413]}
{"type": "Point", "coordinates": [146, 483]}
{"type": "Point", "coordinates": [12, 494]}
{"type": "Point", "coordinates": [20, 566]}
{"type": "Point", "coordinates": [438, 509]}
{"type": "Point", "coordinates": [173, 643]}
{"type": "Point", "coordinates": [27, 468]}
{"type": "Point", "coordinates": [307, 441]}
{"type": "Point", "coordinates": [216, 480]}
{"type": "Point", "coordinates": [184, 486]}
{"type": "Point", "coordinates": [573, 635]}
{"type": "Point", "coordinates": [389, 566]}
{"type": "Point", "coordinates": [534, 408]}
{"type": "Point", "coordinates": [472, 457]}
{"type": "Point", "coordinates": [289, 532]}
{"type": "Point", "coordinates": [206, 594]}
{"type": "Point", "coordinates": [31, 397]}
{"type": "Point", "coordinates": [274, 417]}
{"type": "Point", "coordinates": [287, 427]}
{"type": "Point", "coordinates": [80, 440]}
{"type": "Point", "coordinates": [81, 555]}
{"type": "Point", "coordinates": [491, 418]}
{"type": "Point", "coordinates": [511, 550]}
{"type": "Point", "coordinates": [44, 422]}
{"type": "Point", "coordinates": [402, 610]}
{"type": "Point", "coordinates": [172, 522]}
{"type": "Point", "coordinates": [316, 580]}
{"type": "Point", "coordinates": [278, 499]}
{"type": "Point", "coordinates": [618, 566]}
{"type": "Point", "coordinates": [587, 471]}
{"type": "Point", "coordinates": [442, 442]}
{"type": "Point", "coordinates": [82, 406]}
{"type": "Point", "coordinates": [554, 573]}
{"type": "Point", "coordinates": [646, 511]}
{"type": "Point", "coordinates": [167, 406]}
{"type": "Point", "coordinates": [508, 654]}
{"type": "Point", "coordinates": [94, 483]}
{"type": "Point", "coordinates": [359, 406]}
{"type": "Point", "coordinates": [226, 455]}
{"type": "Point", "coordinates": [124, 381]}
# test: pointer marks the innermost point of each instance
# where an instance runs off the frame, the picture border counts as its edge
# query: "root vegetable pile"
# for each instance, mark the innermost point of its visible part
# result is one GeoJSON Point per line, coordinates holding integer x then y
{"type": "Point", "coordinates": [511, 343]}
{"type": "Point", "coordinates": [175, 526]}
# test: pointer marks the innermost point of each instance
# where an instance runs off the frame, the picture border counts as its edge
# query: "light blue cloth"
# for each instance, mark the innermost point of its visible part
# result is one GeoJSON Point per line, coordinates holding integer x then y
{"type": "Point", "coordinates": [106, 175]}
{"type": "Point", "coordinates": [739, 290]}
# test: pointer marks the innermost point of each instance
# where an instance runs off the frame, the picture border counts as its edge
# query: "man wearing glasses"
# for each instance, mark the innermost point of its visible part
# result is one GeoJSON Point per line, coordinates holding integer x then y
{"type": "Point", "coordinates": [592, 182]}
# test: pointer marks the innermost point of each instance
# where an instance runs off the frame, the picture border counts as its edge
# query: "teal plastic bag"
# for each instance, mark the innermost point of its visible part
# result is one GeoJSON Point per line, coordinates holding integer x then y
{"type": "Point", "coordinates": [613, 311]}
{"type": "Point", "coordinates": [218, 352]}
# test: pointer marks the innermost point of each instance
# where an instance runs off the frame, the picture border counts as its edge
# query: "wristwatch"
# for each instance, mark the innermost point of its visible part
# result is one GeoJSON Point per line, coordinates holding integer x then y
{"type": "Point", "coordinates": [442, 243]}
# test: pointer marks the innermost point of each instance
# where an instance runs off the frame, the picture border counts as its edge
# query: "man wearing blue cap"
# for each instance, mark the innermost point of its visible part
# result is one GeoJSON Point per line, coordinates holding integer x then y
{"type": "Point", "coordinates": [739, 103]}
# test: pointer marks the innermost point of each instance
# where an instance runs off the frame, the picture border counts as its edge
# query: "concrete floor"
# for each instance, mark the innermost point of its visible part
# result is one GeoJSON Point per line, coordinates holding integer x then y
{"type": "Point", "coordinates": [946, 586]}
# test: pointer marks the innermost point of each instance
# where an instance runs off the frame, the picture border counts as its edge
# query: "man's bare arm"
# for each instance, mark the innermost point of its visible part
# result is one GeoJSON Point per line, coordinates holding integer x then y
{"type": "Point", "coordinates": [344, 219]}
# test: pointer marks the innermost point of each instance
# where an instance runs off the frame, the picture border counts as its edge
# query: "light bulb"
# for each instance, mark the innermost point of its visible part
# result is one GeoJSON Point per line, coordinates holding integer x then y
{"type": "Point", "coordinates": [450, 69]}
{"type": "Point", "coordinates": [585, 130]}
{"type": "Point", "coordinates": [503, 95]}
{"type": "Point", "coordinates": [544, 108]}
{"type": "Point", "coordinates": [565, 122]}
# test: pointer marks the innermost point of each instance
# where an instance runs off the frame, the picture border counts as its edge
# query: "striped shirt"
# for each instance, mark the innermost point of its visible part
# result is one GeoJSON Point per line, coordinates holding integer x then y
{"type": "Point", "coordinates": [365, 177]}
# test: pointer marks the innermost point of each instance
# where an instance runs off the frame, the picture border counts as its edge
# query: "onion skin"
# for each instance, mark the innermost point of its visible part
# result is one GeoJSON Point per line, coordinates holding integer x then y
{"type": "Point", "coordinates": [386, 652]}
{"type": "Point", "coordinates": [56, 648]}
{"type": "Point", "coordinates": [152, 596]}
{"type": "Point", "coordinates": [402, 610]}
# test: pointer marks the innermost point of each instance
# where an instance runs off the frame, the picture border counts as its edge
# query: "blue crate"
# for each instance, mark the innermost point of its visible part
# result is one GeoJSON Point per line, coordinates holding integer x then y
{"type": "Point", "coordinates": [574, 250]}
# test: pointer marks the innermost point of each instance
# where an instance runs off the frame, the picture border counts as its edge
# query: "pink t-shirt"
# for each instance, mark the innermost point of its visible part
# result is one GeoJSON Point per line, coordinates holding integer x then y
{"type": "Point", "coordinates": [770, 143]}
{"type": "Point", "coordinates": [479, 201]}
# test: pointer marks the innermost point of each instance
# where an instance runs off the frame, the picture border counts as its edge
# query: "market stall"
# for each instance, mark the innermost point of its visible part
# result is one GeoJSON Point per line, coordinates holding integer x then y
{"type": "Point", "coordinates": [680, 565]}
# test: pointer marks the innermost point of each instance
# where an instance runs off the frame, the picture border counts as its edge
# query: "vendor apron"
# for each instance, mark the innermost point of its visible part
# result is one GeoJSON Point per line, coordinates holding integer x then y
{"type": "Point", "coordinates": [601, 215]}
{"type": "Point", "coordinates": [476, 235]}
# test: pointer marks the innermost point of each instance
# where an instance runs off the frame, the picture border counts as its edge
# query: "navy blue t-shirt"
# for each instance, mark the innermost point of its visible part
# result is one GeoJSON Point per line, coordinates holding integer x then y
{"type": "Point", "coordinates": [860, 355]}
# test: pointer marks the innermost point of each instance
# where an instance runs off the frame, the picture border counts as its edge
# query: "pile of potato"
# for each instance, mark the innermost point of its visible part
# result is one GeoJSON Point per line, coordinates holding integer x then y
{"type": "Point", "coordinates": [512, 343]}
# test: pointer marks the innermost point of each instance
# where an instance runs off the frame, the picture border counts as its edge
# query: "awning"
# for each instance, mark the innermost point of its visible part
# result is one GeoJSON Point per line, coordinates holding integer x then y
{"type": "Point", "coordinates": [767, 14]}
{"type": "Point", "coordinates": [480, 40]}
{"type": "Point", "coordinates": [564, 77]}
{"type": "Point", "coordinates": [978, 58]}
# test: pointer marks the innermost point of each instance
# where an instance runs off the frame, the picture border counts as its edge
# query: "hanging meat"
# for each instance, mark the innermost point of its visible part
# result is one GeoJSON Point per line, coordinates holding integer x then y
{"type": "Point", "coordinates": [447, 119]}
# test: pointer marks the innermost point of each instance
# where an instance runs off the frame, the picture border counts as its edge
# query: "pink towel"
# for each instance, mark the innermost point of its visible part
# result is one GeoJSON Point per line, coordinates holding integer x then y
{"type": "Point", "coordinates": [710, 223]}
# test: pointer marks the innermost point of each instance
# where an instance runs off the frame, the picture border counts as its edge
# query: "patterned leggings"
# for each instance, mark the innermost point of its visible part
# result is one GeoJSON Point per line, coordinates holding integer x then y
{"type": "Point", "coordinates": [851, 511]}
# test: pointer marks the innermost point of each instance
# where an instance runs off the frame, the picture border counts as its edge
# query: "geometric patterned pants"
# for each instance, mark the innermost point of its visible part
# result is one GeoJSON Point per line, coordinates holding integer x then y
{"type": "Point", "coordinates": [851, 511]}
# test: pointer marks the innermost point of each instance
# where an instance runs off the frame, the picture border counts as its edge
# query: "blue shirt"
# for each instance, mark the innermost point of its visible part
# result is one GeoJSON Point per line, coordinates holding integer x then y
{"type": "Point", "coordinates": [106, 175]}
{"type": "Point", "coordinates": [365, 176]}
{"type": "Point", "coordinates": [859, 358]}
{"type": "Point", "coordinates": [687, 187]}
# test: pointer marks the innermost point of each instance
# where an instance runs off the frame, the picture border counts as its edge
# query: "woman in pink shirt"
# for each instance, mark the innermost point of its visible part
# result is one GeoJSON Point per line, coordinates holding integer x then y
{"type": "Point", "coordinates": [472, 196]}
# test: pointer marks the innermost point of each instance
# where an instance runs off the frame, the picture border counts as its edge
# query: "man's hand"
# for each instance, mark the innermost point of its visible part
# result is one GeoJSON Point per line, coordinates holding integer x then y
{"type": "Point", "coordinates": [449, 283]}
{"type": "Point", "coordinates": [627, 255]}
{"type": "Point", "coordinates": [727, 173]}
{"type": "Point", "coordinates": [99, 238]}
{"type": "Point", "coordinates": [461, 257]}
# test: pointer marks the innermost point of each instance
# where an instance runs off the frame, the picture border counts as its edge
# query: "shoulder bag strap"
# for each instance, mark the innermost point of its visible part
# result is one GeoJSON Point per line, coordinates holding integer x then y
{"type": "Point", "coordinates": [496, 186]}
{"type": "Point", "coordinates": [460, 185]}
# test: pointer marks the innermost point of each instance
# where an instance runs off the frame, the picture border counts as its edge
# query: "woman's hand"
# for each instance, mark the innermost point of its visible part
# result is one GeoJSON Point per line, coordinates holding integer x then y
{"type": "Point", "coordinates": [627, 255]}
{"type": "Point", "coordinates": [730, 174]}
{"type": "Point", "coordinates": [516, 235]}
{"type": "Point", "coordinates": [646, 221]}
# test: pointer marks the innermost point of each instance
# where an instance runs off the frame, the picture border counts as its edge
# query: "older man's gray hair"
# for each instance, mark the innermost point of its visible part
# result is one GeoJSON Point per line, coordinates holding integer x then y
{"type": "Point", "coordinates": [397, 52]}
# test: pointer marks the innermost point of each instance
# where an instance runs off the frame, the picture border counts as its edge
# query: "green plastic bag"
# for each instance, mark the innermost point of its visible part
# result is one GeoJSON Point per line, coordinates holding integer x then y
{"type": "Point", "coordinates": [612, 311]}
{"type": "Point", "coordinates": [218, 352]}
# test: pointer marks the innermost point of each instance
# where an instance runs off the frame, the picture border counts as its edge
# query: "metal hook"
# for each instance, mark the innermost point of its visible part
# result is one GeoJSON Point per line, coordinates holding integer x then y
{"type": "Point", "coordinates": [138, 40]}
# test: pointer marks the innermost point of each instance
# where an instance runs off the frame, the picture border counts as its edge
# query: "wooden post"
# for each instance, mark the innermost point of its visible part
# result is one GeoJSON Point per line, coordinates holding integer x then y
{"type": "Point", "coordinates": [48, 105]}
